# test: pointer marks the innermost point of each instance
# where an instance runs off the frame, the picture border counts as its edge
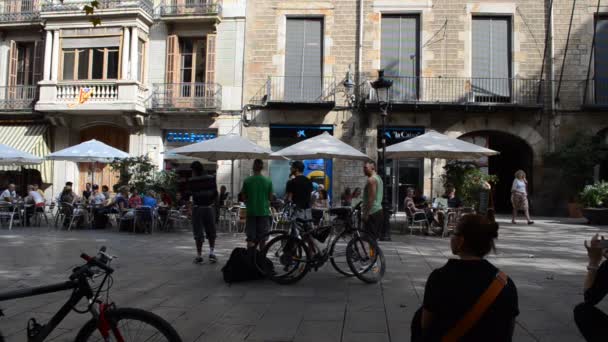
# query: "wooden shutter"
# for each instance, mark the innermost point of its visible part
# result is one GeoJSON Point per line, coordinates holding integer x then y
{"type": "Point", "coordinates": [210, 60]}
{"type": "Point", "coordinates": [38, 61]}
{"type": "Point", "coordinates": [172, 59]}
{"type": "Point", "coordinates": [12, 70]}
{"type": "Point", "coordinates": [601, 56]}
{"type": "Point", "coordinates": [491, 56]}
{"type": "Point", "coordinates": [399, 54]}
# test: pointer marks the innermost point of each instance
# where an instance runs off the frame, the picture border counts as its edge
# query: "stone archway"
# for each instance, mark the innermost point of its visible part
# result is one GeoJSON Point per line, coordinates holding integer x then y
{"type": "Point", "coordinates": [521, 147]}
{"type": "Point", "coordinates": [109, 134]}
{"type": "Point", "coordinates": [602, 135]}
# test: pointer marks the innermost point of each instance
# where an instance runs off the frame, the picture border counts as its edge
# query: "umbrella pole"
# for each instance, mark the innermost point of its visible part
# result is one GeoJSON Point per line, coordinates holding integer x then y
{"type": "Point", "coordinates": [232, 178]}
{"type": "Point", "coordinates": [432, 176]}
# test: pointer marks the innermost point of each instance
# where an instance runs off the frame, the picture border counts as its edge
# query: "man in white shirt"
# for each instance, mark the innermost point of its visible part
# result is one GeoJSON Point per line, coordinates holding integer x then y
{"type": "Point", "coordinates": [38, 201]}
{"type": "Point", "coordinates": [9, 195]}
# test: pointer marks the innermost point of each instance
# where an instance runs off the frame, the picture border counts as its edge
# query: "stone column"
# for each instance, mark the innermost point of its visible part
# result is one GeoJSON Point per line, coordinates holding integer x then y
{"type": "Point", "coordinates": [126, 40]}
{"type": "Point", "coordinates": [48, 51]}
{"type": "Point", "coordinates": [134, 43]}
{"type": "Point", "coordinates": [55, 57]}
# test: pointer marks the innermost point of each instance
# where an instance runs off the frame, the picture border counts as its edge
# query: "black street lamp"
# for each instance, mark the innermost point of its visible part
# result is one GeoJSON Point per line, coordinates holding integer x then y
{"type": "Point", "coordinates": [382, 87]}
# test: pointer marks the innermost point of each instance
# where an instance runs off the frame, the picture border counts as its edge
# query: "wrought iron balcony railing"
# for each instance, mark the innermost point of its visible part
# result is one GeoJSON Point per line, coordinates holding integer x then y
{"type": "Point", "coordinates": [186, 96]}
{"type": "Point", "coordinates": [463, 90]}
{"type": "Point", "coordinates": [78, 5]}
{"type": "Point", "coordinates": [18, 98]}
{"type": "Point", "coordinates": [173, 8]}
{"type": "Point", "coordinates": [15, 11]}
{"type": "Point", "coordinates": [300, 89]}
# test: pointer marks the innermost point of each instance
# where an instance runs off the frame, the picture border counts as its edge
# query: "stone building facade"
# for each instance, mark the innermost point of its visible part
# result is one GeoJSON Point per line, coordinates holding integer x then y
{"type": "Point", "coordinates": [153, 75]}
{"type": "Point", "coordinates": [484, 71]}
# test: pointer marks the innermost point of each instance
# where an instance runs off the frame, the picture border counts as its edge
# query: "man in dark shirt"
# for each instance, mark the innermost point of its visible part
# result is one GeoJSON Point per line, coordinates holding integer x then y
{"type": "Point", "coordinates": [591, 321]}
{"type": "Point", "coordinates": [203, 190]}
{"type": "Point", "coordinates": [299, 190]}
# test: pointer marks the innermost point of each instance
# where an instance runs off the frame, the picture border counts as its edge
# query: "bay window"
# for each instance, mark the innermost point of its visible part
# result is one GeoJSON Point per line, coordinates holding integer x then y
{"type": "Point", "coordinates": [98, 63]}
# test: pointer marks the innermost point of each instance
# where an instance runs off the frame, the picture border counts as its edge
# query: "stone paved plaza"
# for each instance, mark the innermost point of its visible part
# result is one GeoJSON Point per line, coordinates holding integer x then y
{"type": "Point", "coordinates": [155, 272]}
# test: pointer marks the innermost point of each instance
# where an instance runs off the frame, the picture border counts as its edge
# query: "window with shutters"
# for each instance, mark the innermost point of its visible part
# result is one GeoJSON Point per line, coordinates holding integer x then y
{"type": "Point", "coordinates": [98, 63]}
{"type": "Point", "coordinates": [141, 46]}
{"type": "Point", "coordinates": [491, 60]}
{"type": "Point", "coordinates": [24, 69]}
{"type": "Point", "coordinates": [400, 52]}
{"type": "Point", "coordinates": [600, 58]}
{"type": "Point", "coordinates": [303, 80]}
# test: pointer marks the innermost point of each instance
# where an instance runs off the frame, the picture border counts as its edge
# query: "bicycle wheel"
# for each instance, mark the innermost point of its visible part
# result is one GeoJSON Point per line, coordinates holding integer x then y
{"type": "Point", "coordinates": [365, 259]}
{"type": "Point", "coordinates": [132, 325]}
{"type": "Point", "coordinates": [289, 257]}
{"type": "Point", "coordinates": [337, 253]}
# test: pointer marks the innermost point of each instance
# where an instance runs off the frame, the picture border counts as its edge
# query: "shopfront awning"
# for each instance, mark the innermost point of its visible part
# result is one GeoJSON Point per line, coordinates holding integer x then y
{"type": "Point", "coordinates": [34, 139]}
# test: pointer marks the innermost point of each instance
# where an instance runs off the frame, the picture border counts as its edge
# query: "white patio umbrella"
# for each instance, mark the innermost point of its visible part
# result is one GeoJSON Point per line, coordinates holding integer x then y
{"type": "Point", "coordinates": [435, 145]}
{"type": "Point", "coordinates": [91, 151]}
{"type": "Point", "coordinates": [323, 146]}
{"type": "Point", "coordinates": [12, 156]}
{"type": "Point", "coordinates": [226, 147]}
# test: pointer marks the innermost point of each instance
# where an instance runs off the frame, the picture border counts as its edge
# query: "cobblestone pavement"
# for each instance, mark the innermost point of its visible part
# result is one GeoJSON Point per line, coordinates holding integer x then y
{"type": "Point", "coordinates": [155, 272]}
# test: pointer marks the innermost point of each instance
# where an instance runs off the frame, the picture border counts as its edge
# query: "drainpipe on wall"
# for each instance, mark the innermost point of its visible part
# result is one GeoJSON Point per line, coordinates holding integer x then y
{"type": "Point", "coordinates": [553, 122]}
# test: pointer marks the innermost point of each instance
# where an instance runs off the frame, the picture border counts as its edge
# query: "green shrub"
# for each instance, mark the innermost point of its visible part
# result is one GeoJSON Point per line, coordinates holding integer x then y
{"type": "Point", "coordinates": [468, 180]}
{"type": "Point", "coordinates": [595, 196]}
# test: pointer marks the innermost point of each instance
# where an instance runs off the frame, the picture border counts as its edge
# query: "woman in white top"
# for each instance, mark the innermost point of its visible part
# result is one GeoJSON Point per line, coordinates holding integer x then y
{"type": "Point", "coordinates": [519, 196]}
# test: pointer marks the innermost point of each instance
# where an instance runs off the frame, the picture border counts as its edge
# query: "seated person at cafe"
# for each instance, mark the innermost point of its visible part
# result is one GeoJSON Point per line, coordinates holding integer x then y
{"type": "Point", "coordinates": [9, 195]}
{"type": "Point", "coordinates": [65, 200]}
{"type": "Point", "coordinates": [223, 196]}
{"type": "Point", "coordinates": [86, 194]}
{"type": "Point", "coordinates": [144, 214]}
{"type": "Point", "coordinates": [453, 202]}
{"type": "Point", "coordinates": [419, 199]}
{"type": "Point", "coordinates": [35, 203]}
{"type": "Point", "coordinates": [38, 190]}
{"type": "Point", "coordinates": [105, 190]}
{"type": "Point", "coordinates": [149, 199]}
{"type": "Point", "coordinates": [319, 204]}
{"type": "Point", "coordinates": [411, 209]}
{"type": "Point", "coordinates": [97, 198]}
{"type": "Point", "coordinates": [135, 200]}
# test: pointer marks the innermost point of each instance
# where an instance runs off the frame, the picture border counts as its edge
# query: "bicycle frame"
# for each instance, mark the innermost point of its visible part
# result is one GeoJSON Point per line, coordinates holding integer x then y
{"type": "Point", "coordinates": [82, 290]}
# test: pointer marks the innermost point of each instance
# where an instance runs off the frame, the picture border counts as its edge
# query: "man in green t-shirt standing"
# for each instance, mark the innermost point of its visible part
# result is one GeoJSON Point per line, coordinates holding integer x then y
{"type": "Point", "coordinates": [257, 191]}
{"type": "Point", "coordinates": [372, 200]}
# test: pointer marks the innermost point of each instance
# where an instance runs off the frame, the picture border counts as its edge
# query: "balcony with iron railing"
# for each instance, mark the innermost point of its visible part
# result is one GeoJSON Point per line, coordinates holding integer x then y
{"type": "Point", "coordinates": [19, 12]}
{"type": "Point", "coordinates": [181, 10]}
{"type": "Point", "coordinates": [301, 91]}
{"type": "Point", "coordinates": [111, 96]}
{"type": "Point", "coordinates": [53, 8]}
{"type": "Point", "coordinates": [462, 91]}
{"type": "Point", "coordinates": [186, 97]}
{"type": "Point", "coordinates": [18, 98]}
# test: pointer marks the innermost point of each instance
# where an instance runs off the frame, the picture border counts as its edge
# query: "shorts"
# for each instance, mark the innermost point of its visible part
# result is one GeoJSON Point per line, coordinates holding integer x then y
{"type": "Point", "coordinates": [306, 215]}
{"type": "Point", "coordinates": [256, 227]}
{"type": "Point", "coordinates": [203, 217]}
{"type": "Point", "coordinates": [374, 223]}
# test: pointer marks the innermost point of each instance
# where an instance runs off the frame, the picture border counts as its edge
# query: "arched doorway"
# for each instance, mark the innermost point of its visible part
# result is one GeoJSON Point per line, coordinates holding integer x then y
{"type": "Point", "coordinates": [515, 154]}
{"type": "Point", "coordinates": [114, 136]}
{"type": "Point", "coordinates": [603, 139]}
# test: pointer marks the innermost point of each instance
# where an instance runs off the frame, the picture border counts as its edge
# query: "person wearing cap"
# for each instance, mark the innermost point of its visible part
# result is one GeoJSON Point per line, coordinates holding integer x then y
{"type": "Point", "coordinates": [203, 189]}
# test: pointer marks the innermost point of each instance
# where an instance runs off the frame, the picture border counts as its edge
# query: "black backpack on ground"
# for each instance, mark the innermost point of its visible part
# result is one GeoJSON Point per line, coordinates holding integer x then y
{"type": "Point", "coordinates": [241, 265]}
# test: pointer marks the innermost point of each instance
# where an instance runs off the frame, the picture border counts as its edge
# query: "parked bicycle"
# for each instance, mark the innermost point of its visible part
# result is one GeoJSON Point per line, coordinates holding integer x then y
{"type": "Point", "coordinates": [109, 322]}
{"type": "Point", "coordinates": [352, 252]}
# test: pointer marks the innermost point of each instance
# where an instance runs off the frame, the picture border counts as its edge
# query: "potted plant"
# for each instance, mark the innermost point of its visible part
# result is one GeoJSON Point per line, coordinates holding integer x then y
{"type": "Point", "coordinates": [594, 199]}
{"type": "Point", "coordinates": [468, 180]}
{"type": "Point", "coordinates": [575, 160]}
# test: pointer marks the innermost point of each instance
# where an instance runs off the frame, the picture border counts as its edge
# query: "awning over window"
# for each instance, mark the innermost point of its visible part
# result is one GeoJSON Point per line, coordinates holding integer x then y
{"type": "Point", "coordinates": [34, 139]}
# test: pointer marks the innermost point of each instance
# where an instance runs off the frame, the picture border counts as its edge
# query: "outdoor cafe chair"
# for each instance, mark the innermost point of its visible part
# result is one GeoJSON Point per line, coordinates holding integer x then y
{"type": "Point", "coordinates": [416, 220]}
{"type": "Point", "coordinates": [7, 214]}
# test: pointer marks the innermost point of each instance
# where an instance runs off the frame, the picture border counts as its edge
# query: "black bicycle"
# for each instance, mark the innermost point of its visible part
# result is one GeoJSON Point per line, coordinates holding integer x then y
{"type": "Point", "coordinates": [109, 323]}
{"type": "Point", "coordinates": [352, 252]}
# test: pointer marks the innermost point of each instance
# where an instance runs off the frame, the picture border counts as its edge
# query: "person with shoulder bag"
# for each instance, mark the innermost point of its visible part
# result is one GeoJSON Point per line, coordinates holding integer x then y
{"type": "Point", "coordinates": [468, 299]}
{"type": "Point", "coordinates": [590, 320]}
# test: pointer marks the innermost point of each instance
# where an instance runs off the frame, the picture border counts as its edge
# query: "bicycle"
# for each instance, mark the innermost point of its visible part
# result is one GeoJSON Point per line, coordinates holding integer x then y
{"type": "Point", "coordinates": [290, 251]}
{"type": "Point", "coordinates": [108, 323]}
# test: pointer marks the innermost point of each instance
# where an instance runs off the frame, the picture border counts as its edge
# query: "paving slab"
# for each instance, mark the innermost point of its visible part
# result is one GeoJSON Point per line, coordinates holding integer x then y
{"type": "Point", "coordinates": [155, 272]}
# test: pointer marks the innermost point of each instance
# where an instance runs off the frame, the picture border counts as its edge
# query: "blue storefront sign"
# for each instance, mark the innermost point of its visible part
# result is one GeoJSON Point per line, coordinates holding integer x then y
{"type": "Point", "coordinates": [185, 137]}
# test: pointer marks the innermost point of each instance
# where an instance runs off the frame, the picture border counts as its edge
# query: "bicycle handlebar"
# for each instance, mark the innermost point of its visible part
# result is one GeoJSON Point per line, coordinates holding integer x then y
{"type": "Point", "coordinates": [100, 262]}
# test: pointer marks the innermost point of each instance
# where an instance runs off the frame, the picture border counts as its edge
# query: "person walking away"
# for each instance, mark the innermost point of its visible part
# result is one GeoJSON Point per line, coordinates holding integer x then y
{"type": "Point", "coordinates": [590, 320]}
{"type": "Point", "coordinates": [519, 196]}
{"type": "Point", "coordinates": [372, 200]}
{"type": "Point", "coordinates": [468, 299]}
{"type": "Point", "coordinates": [257, 192]}
{"type": "Point", "coordinates": [298, 192]}
{"type": "Point", "coordinates": [221, 202]}
{"type": "Point", "coordinates": [203, 189]}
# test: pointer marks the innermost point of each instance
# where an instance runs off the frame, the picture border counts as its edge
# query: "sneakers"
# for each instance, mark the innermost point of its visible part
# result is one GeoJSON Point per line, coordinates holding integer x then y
{"type": "Point", "coordinates": [212, 258]}
{"type": "Point", "coordinates": [198, 260]}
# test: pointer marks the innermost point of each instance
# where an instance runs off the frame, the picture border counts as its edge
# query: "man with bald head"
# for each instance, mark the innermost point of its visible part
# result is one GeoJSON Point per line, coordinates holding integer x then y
{"type": "Point", "coordinates": [9, 195]}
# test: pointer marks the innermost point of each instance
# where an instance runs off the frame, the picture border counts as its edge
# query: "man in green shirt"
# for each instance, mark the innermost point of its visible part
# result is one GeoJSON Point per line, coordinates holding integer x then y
{"type": "Point", "coordinates": [257, 191]}
{"type": "Point", "coordinates": [372, 215]}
